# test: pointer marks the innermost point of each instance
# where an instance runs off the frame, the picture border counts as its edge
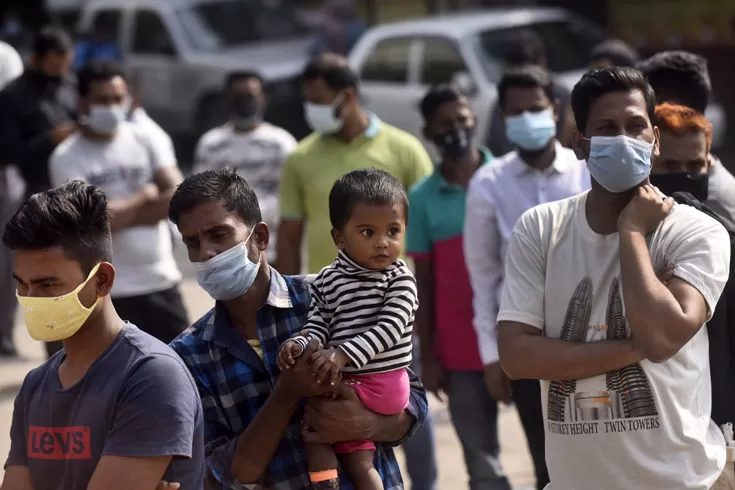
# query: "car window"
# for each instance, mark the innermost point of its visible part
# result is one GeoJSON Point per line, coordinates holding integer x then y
{"type": "Point", "coordinates": [388, 62]}
{"type": "Point", "coordinates": [220, 24]}
{"type": "Point", "coordinates": [107, 23]}
{"type": "Point", "coordinates": [441, 61]}
{"type": "Point", "coordinates": [568, 45]}
{"type": "Point", "coordinates": [150, 35]}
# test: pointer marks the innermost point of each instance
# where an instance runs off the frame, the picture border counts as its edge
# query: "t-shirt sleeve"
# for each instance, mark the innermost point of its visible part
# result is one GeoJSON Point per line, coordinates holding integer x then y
{"type": "Point", "coordinates": [701, 257]}
{"type": "Point", "coordinates": [418, 240]}
{"type": "Point", "coordinates": [292, 195]}
{"type": "Point", "coordinates": [61, 169]}
{"type": "Point", "coordinates": [18, 451]}
{"type": "Point", "coordinates": [522, 299]}
{"type": "Point", "coordinates": [161, 155]}
{"type": "Point", "coordinates": [157, 412]}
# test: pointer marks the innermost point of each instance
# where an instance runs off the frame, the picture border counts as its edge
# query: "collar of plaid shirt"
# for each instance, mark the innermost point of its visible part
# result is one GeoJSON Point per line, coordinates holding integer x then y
{"type": "Point", "coordinates": [234, 384]}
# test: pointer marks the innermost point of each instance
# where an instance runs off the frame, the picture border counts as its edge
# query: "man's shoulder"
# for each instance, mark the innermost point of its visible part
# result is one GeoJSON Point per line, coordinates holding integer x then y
{"type": "Point", "coordinates": [424, 188]}
{"type": "Point", "coordinates": [685, 220]}
{"type": "Point", "coordinates": [37, 376]}
{"type": "Point", "coordinates": [65, 153]}
{"type": "Point", "coordinates": [190, 341]}
{"type": "Point", "coordinates": [278, 134]}
{"type": "Point", "coordinates": [299, 288]}
{"type": "Point", "coordinates": [397, 138]}
{"type": "Point", "coordinates": [492, 172]}
{"type": "Point", "coordinates": [148, 347]}
{"type": "Point", "coordinates": [214, 136]}
{"type": "Point", "coordinates": [549, 216]}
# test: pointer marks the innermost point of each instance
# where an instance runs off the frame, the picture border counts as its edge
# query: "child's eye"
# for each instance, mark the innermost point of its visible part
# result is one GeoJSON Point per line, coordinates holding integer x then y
{"type": "Point", "coordinates": [394, 231]}
{"type": "Point", "coordinates": [367, 233]}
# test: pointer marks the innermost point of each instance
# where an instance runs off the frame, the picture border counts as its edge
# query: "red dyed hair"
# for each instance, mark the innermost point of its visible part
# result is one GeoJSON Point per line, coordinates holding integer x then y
{"type": "Point", "coordinates": [679, 119]}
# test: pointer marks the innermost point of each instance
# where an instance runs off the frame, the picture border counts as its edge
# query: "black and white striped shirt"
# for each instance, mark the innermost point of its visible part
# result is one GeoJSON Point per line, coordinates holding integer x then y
{"type": "Point", "coordinates": [367, 313]}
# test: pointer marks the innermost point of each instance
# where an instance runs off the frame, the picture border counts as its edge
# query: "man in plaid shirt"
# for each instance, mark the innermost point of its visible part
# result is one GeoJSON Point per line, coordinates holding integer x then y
{"type": "Point", "coordinates": [253, 414]}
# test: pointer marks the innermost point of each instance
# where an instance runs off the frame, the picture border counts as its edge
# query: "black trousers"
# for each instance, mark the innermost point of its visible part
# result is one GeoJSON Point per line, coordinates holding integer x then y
{"type": "Point", "coordinates": [527, 399]}
{"type": "Point", "coordinates": [161, 314]}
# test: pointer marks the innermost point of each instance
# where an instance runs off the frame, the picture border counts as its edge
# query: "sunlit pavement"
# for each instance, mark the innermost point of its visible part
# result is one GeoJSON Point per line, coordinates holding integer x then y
{"type": "Point", "coordinates": [449, 453]}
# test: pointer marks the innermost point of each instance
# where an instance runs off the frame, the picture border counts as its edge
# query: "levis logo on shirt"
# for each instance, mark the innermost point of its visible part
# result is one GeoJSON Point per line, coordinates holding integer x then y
{"type": "Point", "coordinates": [59, 443]}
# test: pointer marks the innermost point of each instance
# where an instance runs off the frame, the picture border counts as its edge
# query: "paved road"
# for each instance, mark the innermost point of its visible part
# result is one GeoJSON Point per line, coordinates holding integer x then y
{"type": "Point", "coordinates": [451, 466]}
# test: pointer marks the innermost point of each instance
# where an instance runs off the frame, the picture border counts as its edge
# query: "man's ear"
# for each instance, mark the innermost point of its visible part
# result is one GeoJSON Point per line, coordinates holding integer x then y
{"type": "Point", "coordinates": [578, 145]}
{"type": "Point", "coordinates": [105, 279]}
{"type": "Point", "coordinates": [656, 143]}
{"type": "Point", "coordinates": [262, 235]}
{"type": "Point", "coordinates": [338, 239]}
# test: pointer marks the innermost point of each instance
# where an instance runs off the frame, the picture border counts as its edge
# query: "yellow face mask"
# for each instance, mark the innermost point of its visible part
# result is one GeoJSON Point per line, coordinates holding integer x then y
{"type": "Point", "coordinates": [58, 318]}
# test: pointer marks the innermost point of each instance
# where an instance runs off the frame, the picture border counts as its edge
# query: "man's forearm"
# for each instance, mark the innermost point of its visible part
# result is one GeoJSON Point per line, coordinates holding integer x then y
{"type": "Point", "coordinates": [123, 211]}
{"type": "Point", "coordinates": [537, 357]}
{"type": "Point", "coordinates": [257, 445]}
{"type": "Point", "coordinates": [154, 210]}
{"type": "Point", "coordinates": [650, 308]}
{"type": "Point", "coordinates": [392, 428]}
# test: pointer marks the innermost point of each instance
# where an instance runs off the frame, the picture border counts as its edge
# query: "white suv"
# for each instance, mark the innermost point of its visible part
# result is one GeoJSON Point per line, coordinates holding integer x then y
{"type": "Point", "coordinates": [398, 62]}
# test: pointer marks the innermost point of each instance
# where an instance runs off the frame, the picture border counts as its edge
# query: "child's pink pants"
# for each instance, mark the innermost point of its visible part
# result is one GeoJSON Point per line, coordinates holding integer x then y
{"type": "Point", "coordinates": [383, 393]}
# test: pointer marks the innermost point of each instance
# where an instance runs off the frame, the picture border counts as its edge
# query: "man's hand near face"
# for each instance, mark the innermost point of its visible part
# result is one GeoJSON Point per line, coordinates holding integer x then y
{"type": "Point", "coordinates": [645, 211]}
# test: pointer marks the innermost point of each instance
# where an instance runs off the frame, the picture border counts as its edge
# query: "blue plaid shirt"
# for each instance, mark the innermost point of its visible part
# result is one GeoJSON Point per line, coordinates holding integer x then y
{"type": "Point", "coordinates": [234, 384]}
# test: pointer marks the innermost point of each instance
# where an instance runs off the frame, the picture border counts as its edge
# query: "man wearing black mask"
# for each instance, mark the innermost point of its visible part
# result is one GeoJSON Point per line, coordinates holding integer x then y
{"type": "Point", "coordinates": [38, 109]}
{"type": "Point", "coordinates": [682, 78]}
{"type": "Point", "coordinates": [256, 149]}
{"type": "Point", "coordinates": [684, 160]}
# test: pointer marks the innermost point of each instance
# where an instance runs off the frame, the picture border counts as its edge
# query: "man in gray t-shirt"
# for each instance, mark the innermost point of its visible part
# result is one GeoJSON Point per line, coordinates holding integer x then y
{"type": "Point", "coordinates": [116, 408]}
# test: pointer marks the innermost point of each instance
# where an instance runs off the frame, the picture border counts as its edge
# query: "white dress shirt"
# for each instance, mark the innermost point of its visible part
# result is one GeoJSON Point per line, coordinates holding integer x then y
{"type": "Point", "coordinates": [499, 193]}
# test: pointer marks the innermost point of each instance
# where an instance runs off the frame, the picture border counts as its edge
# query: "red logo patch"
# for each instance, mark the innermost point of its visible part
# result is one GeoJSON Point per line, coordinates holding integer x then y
{"type": "Point", "coordinates": [59, 443]}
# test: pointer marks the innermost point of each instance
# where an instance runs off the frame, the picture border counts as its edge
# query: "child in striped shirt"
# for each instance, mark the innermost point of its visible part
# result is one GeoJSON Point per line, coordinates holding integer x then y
{"type": "Point", "coordinates": [362, 311]}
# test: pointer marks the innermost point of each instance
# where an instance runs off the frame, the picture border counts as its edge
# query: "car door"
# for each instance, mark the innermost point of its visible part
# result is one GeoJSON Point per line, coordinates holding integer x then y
{"type": "Point", "coordinates": [388, 82]}
{"type": "Point", "coordinates": [152, 61]}
{"type": "Point", "coordinates": [442, 60]}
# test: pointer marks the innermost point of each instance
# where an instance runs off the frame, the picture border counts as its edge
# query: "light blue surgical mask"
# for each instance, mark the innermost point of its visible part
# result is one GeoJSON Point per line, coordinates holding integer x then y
{"type": "Point", "coordinates": [619, 163]}
{"type": "Point", "coordinates": [531, 131]}
{"type": "Point", "coordinates": [228, 275]}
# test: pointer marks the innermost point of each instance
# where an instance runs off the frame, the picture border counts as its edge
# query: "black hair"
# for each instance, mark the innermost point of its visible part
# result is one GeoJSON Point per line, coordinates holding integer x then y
{"type": "Point", "coordinates": [436, 96]}
{"type": "Point", "coordinates": [596, 83]}
{"type": "Point", "coordinates": [525, 47]}
{"type": "Point", "coordinates": [367, 186]}
{"type": "Point", "coordinates": [213, 186]}
{"type": "Point", "coordinates": [679, 77]}
{"type": "Point", "coordinates": [617, 51]}
{"type": "Point", "coordinates": [334, 70]}
{"type": "Point", "coordinates": [51, 39]}
{"type": "Point", "coordinates": [98, 71]}
{"type": "Point", "coordinates": [72, 216]}
{"type": "Point", "coordinates": [242, 76]}
{"type": "Point", "coordinates": [527, 76]}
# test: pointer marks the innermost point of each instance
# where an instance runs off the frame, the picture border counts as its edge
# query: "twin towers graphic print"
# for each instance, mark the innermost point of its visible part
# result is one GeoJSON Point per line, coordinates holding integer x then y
{"type": "Point", "coordinates": [628, 393]}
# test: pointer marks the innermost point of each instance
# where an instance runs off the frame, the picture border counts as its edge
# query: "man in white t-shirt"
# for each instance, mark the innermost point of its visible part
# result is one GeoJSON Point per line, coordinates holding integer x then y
{"type": "Point", "coordinates": [623, 357]}
{"type": "Point", "coordinates": [139, 179]}
{"type": "Point", "coordinates": [254, 148]}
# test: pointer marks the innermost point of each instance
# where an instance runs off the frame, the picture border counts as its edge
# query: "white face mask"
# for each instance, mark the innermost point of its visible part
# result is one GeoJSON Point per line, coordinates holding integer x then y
{"type": "Point", "coordinates": [321, 117]}
{"type": "Point", "coordinates": [104, 119]}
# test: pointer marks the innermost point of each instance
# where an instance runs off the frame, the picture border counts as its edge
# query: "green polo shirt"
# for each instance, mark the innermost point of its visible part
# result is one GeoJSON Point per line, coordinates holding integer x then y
{"type": "Point", "coordinates": [319, 160]}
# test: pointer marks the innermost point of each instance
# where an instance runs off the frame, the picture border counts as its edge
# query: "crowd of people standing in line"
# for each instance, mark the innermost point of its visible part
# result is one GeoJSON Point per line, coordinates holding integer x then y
{"type": "Point", "coordinates": [550, 273]}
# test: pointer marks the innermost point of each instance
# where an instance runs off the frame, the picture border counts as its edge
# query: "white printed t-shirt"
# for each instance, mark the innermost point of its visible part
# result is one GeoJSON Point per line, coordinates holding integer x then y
{"type": "Point", "coordinates": [142, 255]}
{"type": "Point", "coordinates": [257, 156]}
{"type": "Point", "coordinates": [646, 426]}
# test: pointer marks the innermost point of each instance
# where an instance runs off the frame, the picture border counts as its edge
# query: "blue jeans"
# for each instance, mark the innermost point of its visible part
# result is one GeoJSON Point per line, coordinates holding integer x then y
{"type": "Point", "coordinates": [475, 417]}
{"type": "Point", "coordinates": [419, 450]}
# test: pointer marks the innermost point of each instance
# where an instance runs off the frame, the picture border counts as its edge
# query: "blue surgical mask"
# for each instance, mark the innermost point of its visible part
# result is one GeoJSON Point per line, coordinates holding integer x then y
{"type": "Point", "coordinates": [619, 163]}
{"type": "Point", "coordinates": [228, 275]}
{"type": "Point", "coordinates": [531, 131]}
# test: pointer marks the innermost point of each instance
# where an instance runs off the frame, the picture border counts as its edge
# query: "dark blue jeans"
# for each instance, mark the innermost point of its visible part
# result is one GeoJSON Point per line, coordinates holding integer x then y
{"type": "Point", "coordinates": [475, 418]}
{"type": "Point", "coordinates": [419, 450]}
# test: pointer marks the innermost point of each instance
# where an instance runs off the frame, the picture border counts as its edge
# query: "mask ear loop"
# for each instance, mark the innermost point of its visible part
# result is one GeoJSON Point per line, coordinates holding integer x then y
{"type": "Point", "coordinates": [337, 102]}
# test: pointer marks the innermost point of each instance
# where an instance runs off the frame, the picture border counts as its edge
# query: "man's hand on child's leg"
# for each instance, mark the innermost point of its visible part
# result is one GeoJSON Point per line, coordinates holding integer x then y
{"type": "Point", "coordinates": [328, 364]}
{"type": "Point", "coordinates": [290, 350]}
